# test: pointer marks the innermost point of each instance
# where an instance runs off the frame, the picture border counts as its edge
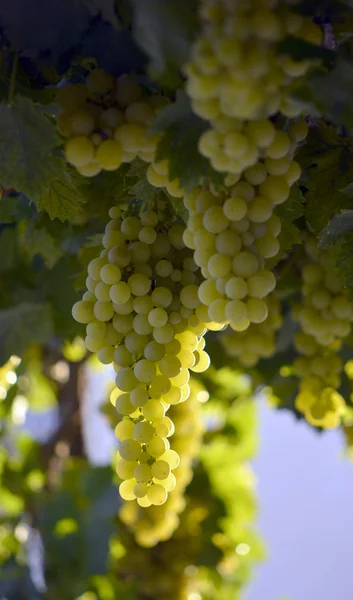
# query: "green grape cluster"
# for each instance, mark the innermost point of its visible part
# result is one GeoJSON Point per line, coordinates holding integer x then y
{"type": "Point", "coordinates": [232, 234]}
{"type": "Point", "coordinates": [324, 314]}
{"type": "Point", "coordinates": [157, 523]}
{"type": "Point", "coordinates": [234, 231]}
{"type": "Point", "coordinates": [140, 314]}
{"type": "Point", "coordinates": [321, 404]}
{"type": "Point", "coordinates": [235, 70]}
{"type": "Point", "coordinates": [105, 122]}
{"type": "Point", "coordinates": [258, 340]}
{"type": "Point", "coordinates": [325, 311]}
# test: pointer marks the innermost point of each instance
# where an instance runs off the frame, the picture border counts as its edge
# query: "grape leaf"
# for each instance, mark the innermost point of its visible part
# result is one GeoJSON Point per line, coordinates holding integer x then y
{"type": "Point", "coordinates": [22, 326]}
{"type": "Point", "coordinates": [164, 30]}
{"type": "Point", "coordinates": [343, 254]}
{"type": "Point", "coordinates": [327, 159]}
{"type": "Point", "coordinates": [338, 226]}
{"type": "Point", "coordinates": [38, 241]}
{"type": "Point", "coordinates": [15, 208]}
{"type": "Point", "coordinates": [331, 92]}
{"type": "Point", "coordinates": [300, 49]}
{"type": "Point", "coordinates": [178, 207]}
{"type": "Point", "coordinates": [28, 164]}
{"type": "Point", "coordinates": [8, 248]}
{"type": "Point", "coordinates": [141, 189]}
{"type": "Point", "coordinates": [27, 140]}
{"type": "Point", "coordinates": [179, 144]}
{"type": "Point", "coordinates": [60, 194]}
{"type": "Point", "coordinates": [105, 190]}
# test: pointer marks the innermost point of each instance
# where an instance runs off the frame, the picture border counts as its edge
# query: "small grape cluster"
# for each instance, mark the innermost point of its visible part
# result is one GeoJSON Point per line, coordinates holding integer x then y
{"type": "Point", "coordinates": [105, 122]}
{"type": "Point", "coordinates": [236, 147]}
{"type": "Point", "coordinates": [326, 311]}
{"type": "Point", "coordinates": [325, 315]}
{"type": "Point", "coordinates": [320, 403]}
{"type": "Point", "coordinates": [140, 313]}
{"type": "Point", "coordinates": [235, 70]}
{"type": "Point", "coordinates": [158, 523]}
{"type": "Point", "coordinates": [258, 340]}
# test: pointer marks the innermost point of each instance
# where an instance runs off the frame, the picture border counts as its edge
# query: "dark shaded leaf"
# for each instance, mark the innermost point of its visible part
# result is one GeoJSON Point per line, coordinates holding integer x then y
{"type": "Point", "coordinates": [337, 227]}
{"type": "Point", "coordinates": [22, 326]}
{"type": "Point", "coordinates": [15, 208]}
{"type": "Point", "coordinates": [38, 241]}
{"type": "Point", "coordinates": [164, 31]}
{"type": "Point", "coordinates": [332, 94]}
{"type": "Point", "coordinates": [179, 144]}
{"type": "Point", "coordinates": [27, 140]}
{"type": "Point", "coordinates": [328, 162]}
{"type": "Point", "coordinates": [8, 248]}
{"type": "Point", "coordinates": [61, 194]}
{"type": "Point", "coordinates": [300, 49]}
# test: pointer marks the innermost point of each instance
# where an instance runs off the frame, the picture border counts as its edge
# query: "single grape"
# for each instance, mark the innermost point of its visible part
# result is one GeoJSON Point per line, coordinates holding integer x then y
{"type": "Point", "coordinates": [143, 432]}
{"type": "Point", "coordinates": [130, 450]}
{"type": "Point", "coordinates": [157, 494]}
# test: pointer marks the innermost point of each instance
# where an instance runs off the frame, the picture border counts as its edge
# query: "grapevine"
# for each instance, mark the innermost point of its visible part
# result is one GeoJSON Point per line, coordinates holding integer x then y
{"type": "Point", "coordinates": [176, 228]}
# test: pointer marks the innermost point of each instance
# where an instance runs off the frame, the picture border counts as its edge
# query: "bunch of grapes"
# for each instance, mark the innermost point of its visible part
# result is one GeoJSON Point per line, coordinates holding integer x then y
{"type": "Point", "coordinates": [258, 340]}
{"type": "Point", "coordinates": [325, 315]}
{"type": "Point", "coordinates": [105, 122]}
{"type": "Point", "coordinates": [157, 523]}
{"type": "Point", "coordinates": [326, 311]}
{"type": "Point", "coordinates": [234, 231]}
{"type": "Point", "coordinates": [235, 70]}
{"type": "Point", "coordinates": [140, 313]}
{"type": "Point", "coordinates": [319, 371]}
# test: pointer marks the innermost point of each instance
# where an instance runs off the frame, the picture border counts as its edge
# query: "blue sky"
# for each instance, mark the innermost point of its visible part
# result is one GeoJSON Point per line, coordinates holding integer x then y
{"type": "Point", "coordinates": [305, 492]}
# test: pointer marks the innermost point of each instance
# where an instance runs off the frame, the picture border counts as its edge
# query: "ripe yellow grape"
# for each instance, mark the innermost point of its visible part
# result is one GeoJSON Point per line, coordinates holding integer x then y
{"type": "Point", "coordinates": [79, 151]}
{"type": "Point", "coordinates": [109, 155]}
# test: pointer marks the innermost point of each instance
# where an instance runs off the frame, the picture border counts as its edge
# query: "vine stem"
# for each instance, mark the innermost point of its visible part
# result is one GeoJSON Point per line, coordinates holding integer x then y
{"type": "Point", "coordinates": [12, 87]}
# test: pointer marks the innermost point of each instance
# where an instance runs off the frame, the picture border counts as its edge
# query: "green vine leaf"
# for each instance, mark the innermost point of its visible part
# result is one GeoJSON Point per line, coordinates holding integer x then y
{"type": "Point", "coordinates": [141, 188]}
{"type": "Point", "coordinates": [24, 325]}
{"type": "Point", "coordinates": [15, 208]}
{"type": "Point", "coordinates": [39, 242]}
{"type": "Point", "coordinates": [327, 160]}
{"type": "Point", "coordinates": [61, 195]}
{"type": "Point", "coordinates": [343, 251]}
{"type": "Point", "coordinates": [331, 92]}
{"type": "Point", "coordinates": [179, 144]}
{"type": "Point", "coordinates": [27, 142]}
{"type": "Point", "coordinates": [336, 228]}
{"type": "Point", "coordinates": [8, 248]}
{"type": "Point", "coordinates": [28, 162]}
{"type": "Point", "coordinates": [107, 189]}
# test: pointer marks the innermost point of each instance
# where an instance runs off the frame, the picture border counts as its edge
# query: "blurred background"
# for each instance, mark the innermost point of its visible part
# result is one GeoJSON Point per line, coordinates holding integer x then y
{"type": "Point", "coordinates": [305, 486]}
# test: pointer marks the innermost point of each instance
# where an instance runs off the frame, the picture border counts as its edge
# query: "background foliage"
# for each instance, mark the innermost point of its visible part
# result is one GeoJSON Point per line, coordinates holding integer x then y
{"type": "Point", "coordinates": [60, 536]}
